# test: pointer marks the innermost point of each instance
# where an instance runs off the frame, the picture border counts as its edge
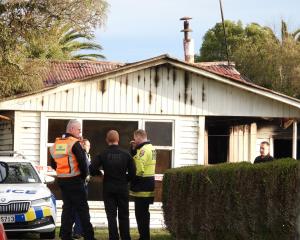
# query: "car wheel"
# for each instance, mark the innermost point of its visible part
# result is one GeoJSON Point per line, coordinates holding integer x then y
{"type": "Point", "coordinates": [47, 235]}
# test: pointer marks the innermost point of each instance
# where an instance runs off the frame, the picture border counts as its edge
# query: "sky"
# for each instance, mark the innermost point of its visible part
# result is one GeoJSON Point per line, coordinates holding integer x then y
{"type": "Point", "coordinates": [136, 30]}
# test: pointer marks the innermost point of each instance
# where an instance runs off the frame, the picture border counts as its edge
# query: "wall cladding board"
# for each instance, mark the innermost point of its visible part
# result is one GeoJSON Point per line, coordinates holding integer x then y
{"type": "Point", "coordinates": [6, 136]}
{"type": "Point", "coordinates": [27, 135]}
{"type": "Point", "coordinates": [186, 141]}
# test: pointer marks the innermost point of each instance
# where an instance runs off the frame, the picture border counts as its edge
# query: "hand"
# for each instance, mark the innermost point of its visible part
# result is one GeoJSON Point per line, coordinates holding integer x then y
{"type": "Point", "coordinates": [133, 144]}
{"type": "Point", "coordinates": [87, 179]}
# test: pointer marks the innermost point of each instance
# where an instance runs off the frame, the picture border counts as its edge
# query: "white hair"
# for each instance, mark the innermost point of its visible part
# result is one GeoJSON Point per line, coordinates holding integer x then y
{"type": "Point", "coordinates": [72, 123]}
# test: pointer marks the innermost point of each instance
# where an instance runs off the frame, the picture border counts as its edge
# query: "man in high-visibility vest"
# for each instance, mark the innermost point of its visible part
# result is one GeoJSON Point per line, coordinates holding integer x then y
{"type": "Point", "coordinates": [142, 187]}
{"type": "Point", "coordinates": [68, 159]}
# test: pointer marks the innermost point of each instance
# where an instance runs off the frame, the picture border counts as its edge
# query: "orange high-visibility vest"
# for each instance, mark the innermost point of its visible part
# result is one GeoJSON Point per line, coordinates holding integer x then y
{"type": "Point", "coordinates": [66, 162]}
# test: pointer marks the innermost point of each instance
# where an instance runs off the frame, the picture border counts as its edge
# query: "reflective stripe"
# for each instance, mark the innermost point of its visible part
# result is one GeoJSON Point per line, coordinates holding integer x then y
{"type": "Point", "coordinates": [30, 215]}
{"type": "Point", "coordinates": [46, 211]}
{"type": "Point", "coordinates": [34, 213]}
{"type": "Point", "coordinates": [141, 194]}
{"type": "Point", "coordinates": [148, 175]}
{"type": "Point", "coordinates": [70, 158]}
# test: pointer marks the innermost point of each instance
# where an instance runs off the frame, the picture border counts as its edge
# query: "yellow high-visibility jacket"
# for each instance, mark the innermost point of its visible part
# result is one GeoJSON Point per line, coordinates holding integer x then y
{"type": "Point", "coordinates": [144, 182]}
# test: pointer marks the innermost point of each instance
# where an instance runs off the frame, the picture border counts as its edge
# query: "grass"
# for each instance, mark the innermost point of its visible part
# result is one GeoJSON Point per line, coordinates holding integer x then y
{"type": "Point", "coordinates": [156, 234]}
{"type": "Point", "coordinates": [102, 233]}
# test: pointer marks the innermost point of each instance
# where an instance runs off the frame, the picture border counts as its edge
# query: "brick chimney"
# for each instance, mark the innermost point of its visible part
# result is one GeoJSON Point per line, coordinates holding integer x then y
{"type": "Point", "coordinates": [188, 43]}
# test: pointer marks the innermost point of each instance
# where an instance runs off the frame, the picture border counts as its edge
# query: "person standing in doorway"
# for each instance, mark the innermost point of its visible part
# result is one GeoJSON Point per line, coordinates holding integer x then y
{"type": "Point", "coordinates": [142, 187]}
{"type": "Point", "coordinates": [68, 159]}
{"type": "Point", "coordinates": [119, 169]}
{"type": "Point", "coordinates": [265, 156]}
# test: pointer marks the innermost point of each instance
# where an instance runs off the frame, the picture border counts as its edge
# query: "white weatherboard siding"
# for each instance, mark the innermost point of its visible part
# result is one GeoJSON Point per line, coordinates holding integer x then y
{"type": "Point", "coordinates": [186, 141]}
{"type": "Point", "coordinates": [162, 90]}
{"type": "Point", "coordinates": [27, 135]}
{"type": "Point", "coordinates": [6, 136]}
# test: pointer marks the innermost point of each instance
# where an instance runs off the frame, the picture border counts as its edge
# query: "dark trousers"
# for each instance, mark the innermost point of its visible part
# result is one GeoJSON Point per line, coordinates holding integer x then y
{"type": "Point", "coordinates": [142, 215]}
{"type": "Point", "coordinates": [74, 197]}
{"type": "Point", "coordinates": [117, 204]}
{"type": "Point", "coordinates": [77, 229]}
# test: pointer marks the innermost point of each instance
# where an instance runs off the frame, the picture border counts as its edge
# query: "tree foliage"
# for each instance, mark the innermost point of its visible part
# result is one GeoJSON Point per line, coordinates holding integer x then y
{"type": "Point", "coordinates": [62, 43]}
{"type": "Point", "coordinates": [24, 21]}
{"type": "Point", "coordinates": [259, 55]}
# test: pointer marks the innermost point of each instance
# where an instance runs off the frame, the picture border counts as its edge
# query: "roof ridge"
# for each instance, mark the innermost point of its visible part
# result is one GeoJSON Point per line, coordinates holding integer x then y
{"type": "Point", "coordinates": [216, 63]}
{"type": "Point", "coordinates": [85, 61]}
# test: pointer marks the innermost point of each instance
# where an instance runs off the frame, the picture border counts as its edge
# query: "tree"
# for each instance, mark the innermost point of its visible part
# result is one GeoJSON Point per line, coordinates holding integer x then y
{"type": "Point", "coordinates": [285, 34]}
{"type": "Point", "coordinates": [62, 43]}
{"type": "Point", "coordinates": [213, 47]}
{"type": "Point", "coordinates": [259, 55]}
{"type": "Point", "coordinates": [20, 20]}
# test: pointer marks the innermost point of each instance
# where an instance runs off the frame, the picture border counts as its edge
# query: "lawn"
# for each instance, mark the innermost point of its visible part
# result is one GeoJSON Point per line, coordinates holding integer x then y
{"type": "Point", "coordinates": [102, 233]}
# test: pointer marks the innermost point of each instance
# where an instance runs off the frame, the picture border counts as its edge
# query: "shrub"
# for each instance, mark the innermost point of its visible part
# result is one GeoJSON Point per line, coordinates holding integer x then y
{"type": "Point", "coordinates": [233, 201]}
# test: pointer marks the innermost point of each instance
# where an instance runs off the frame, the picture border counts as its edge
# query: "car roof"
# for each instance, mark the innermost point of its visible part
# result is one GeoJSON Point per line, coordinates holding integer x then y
{"type": "Point", "coordinates": [13, 159]}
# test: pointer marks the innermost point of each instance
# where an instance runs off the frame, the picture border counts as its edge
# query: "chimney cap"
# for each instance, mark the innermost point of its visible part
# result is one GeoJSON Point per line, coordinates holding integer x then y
{"type": "Point", "coordinates": [186, 30]}
{"type": "Point", "coordinates": [185, 18]}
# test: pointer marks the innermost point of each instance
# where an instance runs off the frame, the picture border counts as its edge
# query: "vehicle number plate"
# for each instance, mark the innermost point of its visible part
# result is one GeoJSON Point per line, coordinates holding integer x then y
{"type": "Point", "coordinates": [7, 218]}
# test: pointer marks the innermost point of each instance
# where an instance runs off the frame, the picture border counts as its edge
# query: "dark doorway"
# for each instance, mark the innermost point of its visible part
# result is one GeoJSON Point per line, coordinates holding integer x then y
{"type": "Point", "coordinates": [218, 141]}
{"type": "Point", "coordinates": [283, 148]}
{"type": "Point", "coordinates": [95, 131]}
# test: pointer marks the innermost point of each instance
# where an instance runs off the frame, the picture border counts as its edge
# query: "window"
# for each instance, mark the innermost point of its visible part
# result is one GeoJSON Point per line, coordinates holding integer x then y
{"type": "Point", "coordinates": [20, 172]}
{"type": "Point", "coordinates": [56, 128]}
{"type": "Point", "coordinates": [160, 133]}
{"type": "Point", "coordinates": [161, 136]}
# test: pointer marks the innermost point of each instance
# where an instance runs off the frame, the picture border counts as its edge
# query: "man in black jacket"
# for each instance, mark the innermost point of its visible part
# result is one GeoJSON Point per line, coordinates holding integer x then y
{"type": "Point", "coordinates": [68, 159]}
{"type": "Point", "coordinates": [119, 169]}
{"type": "Point", "coordinates": [265, 156]}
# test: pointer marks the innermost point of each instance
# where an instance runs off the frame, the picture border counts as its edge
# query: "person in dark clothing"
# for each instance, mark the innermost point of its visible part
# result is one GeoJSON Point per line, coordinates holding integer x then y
{"type": "Point", "coordinates": [119, 169]}
{"type": "Point", "coordinates": [68, 159]}
{"type": "Point", "coordinates": [264, 153]}
{"type": "Point", "coordinates": [77, 229]}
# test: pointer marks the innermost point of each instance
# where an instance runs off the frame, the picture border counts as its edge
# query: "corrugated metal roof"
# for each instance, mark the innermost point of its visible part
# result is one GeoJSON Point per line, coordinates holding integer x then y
{"type": "Point", "coordinates": [67, 71]}
{"type": "Point", "coordinates": [221, 68]}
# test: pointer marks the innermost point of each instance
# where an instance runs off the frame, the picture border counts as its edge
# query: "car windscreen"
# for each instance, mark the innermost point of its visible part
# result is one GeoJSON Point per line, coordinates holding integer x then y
{"type": "Point", "coordinates": [20, 172]}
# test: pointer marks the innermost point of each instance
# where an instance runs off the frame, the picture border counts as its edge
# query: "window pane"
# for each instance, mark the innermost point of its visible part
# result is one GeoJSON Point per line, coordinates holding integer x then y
{"type": "Point", "coordinates": [95, 131]}
{"type": "Point", "coordinates": [159, 133]}
{"type": "Point", "coordinates": [56, 128]}
{"type": "Point", "coordinates": [163, 161]}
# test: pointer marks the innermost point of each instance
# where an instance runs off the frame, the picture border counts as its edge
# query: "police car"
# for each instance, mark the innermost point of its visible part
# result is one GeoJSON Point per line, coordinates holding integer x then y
{"type": "Point", "coordinates": [26, 204]}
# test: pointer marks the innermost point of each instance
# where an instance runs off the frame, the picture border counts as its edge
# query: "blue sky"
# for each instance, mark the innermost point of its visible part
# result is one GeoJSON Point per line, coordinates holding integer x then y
{"type": "Point", "coordinates": [141, 29]}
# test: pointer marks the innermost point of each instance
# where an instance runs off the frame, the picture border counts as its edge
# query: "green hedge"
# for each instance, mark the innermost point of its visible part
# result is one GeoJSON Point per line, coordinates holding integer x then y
{"type": "Point", "coordinates": [233, 201]}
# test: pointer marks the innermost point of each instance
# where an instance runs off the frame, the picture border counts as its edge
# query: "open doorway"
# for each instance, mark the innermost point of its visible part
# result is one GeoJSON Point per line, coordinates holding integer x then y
{"type": "Point", "coordinates": [218, 141]}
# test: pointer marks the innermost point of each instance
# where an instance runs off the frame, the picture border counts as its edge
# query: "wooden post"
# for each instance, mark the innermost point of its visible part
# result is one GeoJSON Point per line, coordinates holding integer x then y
{"type": "Point", "coordinates": [253, 132]}
{"type": "Point", "coordinates": [295, 139]}
{"type": "Point", "coordinates": [201, 140]}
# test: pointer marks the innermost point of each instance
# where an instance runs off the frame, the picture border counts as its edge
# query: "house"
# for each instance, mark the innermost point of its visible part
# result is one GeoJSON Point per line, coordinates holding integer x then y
{"type": "Point", "coordinates": [195, 113]}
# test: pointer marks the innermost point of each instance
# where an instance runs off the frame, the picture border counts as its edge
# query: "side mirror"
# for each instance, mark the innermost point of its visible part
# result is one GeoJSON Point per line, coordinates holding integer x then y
{"type": "Point", "coordinates": [48, 179]}
{"type": "Point", "coordinates": [3, 171]}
